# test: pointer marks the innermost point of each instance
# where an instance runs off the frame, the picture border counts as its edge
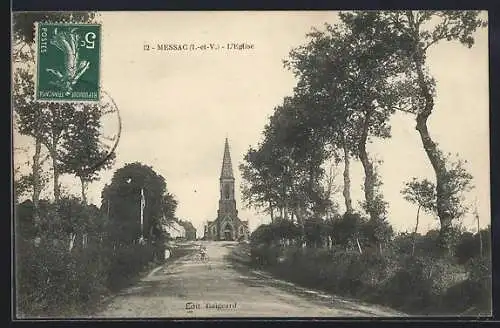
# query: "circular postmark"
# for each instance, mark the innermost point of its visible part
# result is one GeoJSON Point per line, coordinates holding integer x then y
{"type": "Point", "coordinates": [110, 126]}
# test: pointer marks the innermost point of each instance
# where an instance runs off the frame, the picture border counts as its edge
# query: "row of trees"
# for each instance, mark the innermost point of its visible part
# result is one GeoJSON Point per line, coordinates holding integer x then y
{"type": "Point", "coordinates": [352, 77]}
{"type": "Point", "coordinates": [68, 252]}
{"type": "Point", "coordinates": [69, 134]}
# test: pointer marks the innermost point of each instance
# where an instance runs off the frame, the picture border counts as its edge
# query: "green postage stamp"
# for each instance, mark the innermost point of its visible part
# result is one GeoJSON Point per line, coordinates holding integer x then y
{"type": "Point", "coordinates": [68, 62]}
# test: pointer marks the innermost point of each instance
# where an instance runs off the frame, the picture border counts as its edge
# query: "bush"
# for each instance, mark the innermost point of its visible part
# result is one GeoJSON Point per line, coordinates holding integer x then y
{"type": "Point", "coordinates": [425, 283]}
{"type": "Point", "coordinates": [265, 255]}
{"type": "Point", "coordinates": [275, 232]}
{"type": "Point", "coordinates": [348, 228]}
{"type": "Point", "coordinates": [51, 279]}
{"type": "Point", "coordinates": [402, 244]}
{"type": "Point", "coordinates": [419, 282]}
{"type": "Point", "coordinates": [337, 270]}
{"type": "Point", "coordinates": [468, 246]}
{"type": "Point", "coordinates": [127, 262]}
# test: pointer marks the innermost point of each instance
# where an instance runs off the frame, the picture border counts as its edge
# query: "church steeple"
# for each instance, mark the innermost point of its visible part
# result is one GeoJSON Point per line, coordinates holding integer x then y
{"type": "Point", "coordinates": [227, 226]}
{"type": "Point", "coordinates": [227, 167]}
{"type": "Point", "coordinates": [227, 203]}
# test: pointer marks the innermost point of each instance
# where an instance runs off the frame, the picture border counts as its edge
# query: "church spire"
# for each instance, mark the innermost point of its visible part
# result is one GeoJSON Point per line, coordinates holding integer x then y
{"type": "Point", "coordinates": [227, 167]}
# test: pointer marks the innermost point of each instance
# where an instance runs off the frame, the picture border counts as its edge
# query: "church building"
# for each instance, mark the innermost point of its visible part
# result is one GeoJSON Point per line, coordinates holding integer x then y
{"type": "Point", "coordinates": [227, 225]}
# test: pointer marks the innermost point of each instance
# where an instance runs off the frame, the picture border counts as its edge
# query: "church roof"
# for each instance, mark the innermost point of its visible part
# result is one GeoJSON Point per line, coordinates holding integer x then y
{"type": "Point", "coordinates": [227, 167]}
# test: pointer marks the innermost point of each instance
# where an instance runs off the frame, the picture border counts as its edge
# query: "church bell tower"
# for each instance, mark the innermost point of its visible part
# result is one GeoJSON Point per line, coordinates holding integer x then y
{"type": "Point", "coordinates": [227, 226]}
{"type": "Point", "coordinates": [227, 202]}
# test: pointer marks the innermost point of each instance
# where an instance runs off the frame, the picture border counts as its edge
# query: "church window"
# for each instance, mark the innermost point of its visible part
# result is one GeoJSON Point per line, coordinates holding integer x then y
{"type": "Point", "coordinates": [226, 191]}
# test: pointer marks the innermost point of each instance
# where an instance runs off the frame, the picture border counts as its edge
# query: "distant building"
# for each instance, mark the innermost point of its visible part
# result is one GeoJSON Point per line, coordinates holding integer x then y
{"type": "Point", "coordinates": [227, 225]}
{"type": "Point", "coordinates": [190, 229]}
{"type": "Point", "coordinates": [174, 229]}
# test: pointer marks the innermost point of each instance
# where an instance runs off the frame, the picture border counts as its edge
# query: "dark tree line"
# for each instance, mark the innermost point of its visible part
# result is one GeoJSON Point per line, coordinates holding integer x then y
{"type": "Point", "coordinates": [352, 77]}
{"type": "Point", "coordinates": [68, 252]}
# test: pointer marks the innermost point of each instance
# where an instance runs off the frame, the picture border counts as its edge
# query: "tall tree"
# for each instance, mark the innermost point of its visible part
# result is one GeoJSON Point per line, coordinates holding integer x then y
{"type": "Point", "coordinates": [27, 114]}
{"type": "Point", "coordinates": [24, 181]}
{"type": "Point", "coordinates": [82, 152]}
{"type": "Point", "coordinates": [45, 123]}
{"type": "Point", "coordinates": [285, 171]}
{"type": "Point", "coordinates": [299, 150]}
{"type": "Point", "coordinates": [349, 67]}
{"type": "Point", "coordinates": [169, 206]}
{"type": "Point", "coordinates": [319, 80]}
{"type": "Point", "coordinates": [417, 32]}
{"type": "Point", "coordinates": [123, 198]}
{"type": "Point", "coordinates": [260, 185]}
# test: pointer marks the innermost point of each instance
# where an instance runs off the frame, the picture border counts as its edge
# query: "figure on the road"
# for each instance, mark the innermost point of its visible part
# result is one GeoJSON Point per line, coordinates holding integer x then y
{"type": "Point", "coordinates": [203, 253]}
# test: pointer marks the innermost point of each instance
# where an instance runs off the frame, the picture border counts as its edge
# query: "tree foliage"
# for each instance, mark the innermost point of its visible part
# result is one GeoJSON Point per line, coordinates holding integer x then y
{"type": "Point", "coordinates": [48, 124]}
{"type": "Point", "coordinates": [83, 153]}
{"type": "Point", "coordinates": [348, 71]}
{"type": "Point", "coordinates": [285, 171]}
{"type": "Point", "coordinates": [417, 31]}
{"type": "Point", "coordinates": [351, 77]}
{"type": "Point", "coordinates": [122, 200]}
{"type": "Point", "coordinates": [422, 193]}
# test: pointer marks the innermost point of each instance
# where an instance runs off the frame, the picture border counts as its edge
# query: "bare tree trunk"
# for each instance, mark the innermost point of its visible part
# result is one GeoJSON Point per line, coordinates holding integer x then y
{"type": "Point", "coordinates": [479, 234]}
{"type": "Point", "coordinates": [57, 187]}
{"type": "Point", "coordinates": [437, 162]}
{"type": "Point", "coordinates": [369, 183]}
{"type": "Point", "coordinates": [435, 157]}
{"type": "Point", "coordinates": [347, 180]}
{"type": "Point", "coordinates": [300, 222]}
{"type": "Point", "coordinates": [72, 237]}
{"type": "Point", "coordinates": [415, 232]}
{"type": "Point", "coordinates": [37, 181]}
{"type": "Point", "coordinates": [83, 184]}
{"type": "Point", "coordinates": [359, 246]}
{"type": "Point", "coordinates": [52, 147]}
{"type": "Point", "coordinates": [285, 210]}
{"type": "Point", "coordinates": [271, 211]}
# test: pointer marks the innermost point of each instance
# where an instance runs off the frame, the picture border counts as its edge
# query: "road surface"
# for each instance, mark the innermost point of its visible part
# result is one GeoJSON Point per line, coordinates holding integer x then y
{"type": "Point", "coordinates": [190, 287]}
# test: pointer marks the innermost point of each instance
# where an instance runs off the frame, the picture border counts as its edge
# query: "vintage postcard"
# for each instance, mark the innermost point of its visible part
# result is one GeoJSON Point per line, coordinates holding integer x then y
{"type": "Point", "coordinates": [251, 164]}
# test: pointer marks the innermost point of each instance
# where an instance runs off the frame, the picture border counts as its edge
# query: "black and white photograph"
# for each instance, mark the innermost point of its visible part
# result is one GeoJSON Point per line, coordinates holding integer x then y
{"type": "Point", "coordinates": [250, 164]}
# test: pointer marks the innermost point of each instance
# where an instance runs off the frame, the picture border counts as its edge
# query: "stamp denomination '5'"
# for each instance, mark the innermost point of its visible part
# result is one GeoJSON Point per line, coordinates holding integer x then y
{"type": "Point", "coordinates": [68, 62]}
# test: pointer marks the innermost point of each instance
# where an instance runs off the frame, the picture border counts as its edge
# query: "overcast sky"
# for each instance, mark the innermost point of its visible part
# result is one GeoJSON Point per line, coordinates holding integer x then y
{"type": "Point", "coordinates": [177, 107]}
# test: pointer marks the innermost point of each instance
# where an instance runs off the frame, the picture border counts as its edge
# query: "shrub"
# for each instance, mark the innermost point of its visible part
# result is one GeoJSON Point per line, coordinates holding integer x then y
{"type": "Point", "coordinates": [315, 231]}
{"type": "Point", "coordinates": [419, 283]}
{"type": "Point", "coordinates": [127, 262]}
{"type": "Point", "coordinates": [347, 228]}
{"type": "Point", "coordinates": [402, 243]}
{"type": "Point", "coordinates": [468, 246]}
{"type": "Point", "coordinates": [473, 294]}
{"type": "Point", "coordinates": [43, 277]}
{"type": "Point", "coordinates": [262, 235]}
{"type": "Point", "coordinates": [377, 231]}
{"type": "Point", "coordinates": [51, 279]}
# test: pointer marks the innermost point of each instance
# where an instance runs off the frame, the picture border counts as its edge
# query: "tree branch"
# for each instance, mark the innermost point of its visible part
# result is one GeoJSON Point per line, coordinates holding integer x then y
{"type": "Point", "coordinates": [403, 110]}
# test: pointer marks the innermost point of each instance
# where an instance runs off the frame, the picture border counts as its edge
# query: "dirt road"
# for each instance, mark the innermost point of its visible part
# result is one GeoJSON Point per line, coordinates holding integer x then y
{"type": "Point", "coordinates": [190, 287]}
